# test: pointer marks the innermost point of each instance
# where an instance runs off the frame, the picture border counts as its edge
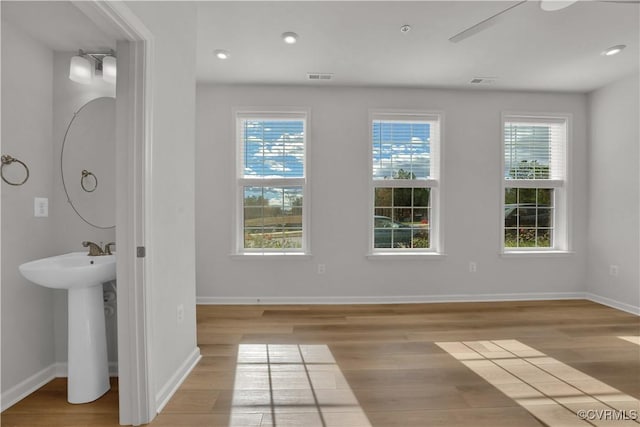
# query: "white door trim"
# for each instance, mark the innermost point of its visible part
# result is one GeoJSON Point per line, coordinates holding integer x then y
{"type": "Point", "coordinates": [133, 190]}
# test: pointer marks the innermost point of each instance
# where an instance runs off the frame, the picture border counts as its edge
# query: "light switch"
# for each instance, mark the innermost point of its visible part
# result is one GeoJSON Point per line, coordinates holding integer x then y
{"type": "Point", "coordinates": [40, 207]}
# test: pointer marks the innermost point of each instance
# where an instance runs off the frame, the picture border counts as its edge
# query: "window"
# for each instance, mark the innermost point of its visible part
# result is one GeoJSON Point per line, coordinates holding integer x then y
{"type": "Point", "coordinates": [535, 183]}
{"type": "Point", "coordinates": [271, 181]}
{"type": "Point", "coordinates": [405, 180]}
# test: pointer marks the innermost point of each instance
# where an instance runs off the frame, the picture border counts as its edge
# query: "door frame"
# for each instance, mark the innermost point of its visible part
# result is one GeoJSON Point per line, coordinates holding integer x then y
{"type": "Point", "coordinates": [134, 108]}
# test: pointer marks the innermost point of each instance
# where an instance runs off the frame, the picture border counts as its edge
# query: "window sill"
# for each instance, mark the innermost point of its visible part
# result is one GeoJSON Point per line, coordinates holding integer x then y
{"type": "Point", "coordinates": [536, 254]}
{"type": "Point", "coordinates": [406, 256]}
{"type": "Point", "coordinates": [271, 256]}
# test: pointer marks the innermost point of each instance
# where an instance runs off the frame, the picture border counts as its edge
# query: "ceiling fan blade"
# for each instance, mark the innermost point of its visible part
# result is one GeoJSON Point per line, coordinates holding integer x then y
{"type": "Point", "coordinates": [553, 5]}
{"type": "Point", "coordinates": [482, 25]}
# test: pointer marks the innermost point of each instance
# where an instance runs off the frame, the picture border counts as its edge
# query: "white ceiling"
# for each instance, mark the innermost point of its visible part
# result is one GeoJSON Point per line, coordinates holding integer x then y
{"type": "Point", "coordinates": [361, 43]}
{"type": "Point", "coordinates": [58, 24]}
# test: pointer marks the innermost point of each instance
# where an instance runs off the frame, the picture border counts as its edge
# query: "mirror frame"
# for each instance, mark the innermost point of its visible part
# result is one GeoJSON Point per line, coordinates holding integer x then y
{"type": "Point", "coordinates": [64, 185]}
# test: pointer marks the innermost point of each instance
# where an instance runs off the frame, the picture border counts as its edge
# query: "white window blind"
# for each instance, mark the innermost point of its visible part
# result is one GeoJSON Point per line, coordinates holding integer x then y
{"type": "Point", "coordinates": [535, 183]}
{"type": "Point", "coordinates": [272, 146]}
{"type": "Point", "coordinates": [404, 176]}
{"type": "Point", "coordinates": [271, 179]}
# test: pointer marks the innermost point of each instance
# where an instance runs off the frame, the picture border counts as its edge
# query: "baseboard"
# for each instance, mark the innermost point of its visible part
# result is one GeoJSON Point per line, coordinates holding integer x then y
{"type": "Point", "coordinates": [416, 299]}
{"type": "Point", "coordinates": [62, 370]}
{"type": "Point", "coordinates": [613, 303]}
{"type": "Point", "coordinates": [26, 387]}
{"type": "Point", "coordinates": [176, 380]}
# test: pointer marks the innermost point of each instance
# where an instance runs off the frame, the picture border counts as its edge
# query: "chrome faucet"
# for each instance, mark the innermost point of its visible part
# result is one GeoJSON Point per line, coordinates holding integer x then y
{"type": "Point", "coordinates": [94, 249]}
{"type": "Point", "coordinates": [107, 248]}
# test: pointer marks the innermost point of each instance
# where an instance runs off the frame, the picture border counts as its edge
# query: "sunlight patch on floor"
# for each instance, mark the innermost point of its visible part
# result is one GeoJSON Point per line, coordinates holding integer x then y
{"type": "Point", "coordinates": [632, 339]}
{"type": "Point", "coordinates": [550, 390]}
{"type": "Point", "coordinates": [292, 385]}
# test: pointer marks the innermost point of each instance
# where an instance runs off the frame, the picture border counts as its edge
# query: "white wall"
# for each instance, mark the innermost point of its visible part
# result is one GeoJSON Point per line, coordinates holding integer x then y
{"type": "Point", "coordinates": [69, 230]}
{"type": "Point", "coordinates": [614, 186]}
{"type": "Point", "coordinates": [339, 192]}
{"type": "Point", "coordinates": [171, 240]}
{"type": "Point", "coordinates": [27, 309]}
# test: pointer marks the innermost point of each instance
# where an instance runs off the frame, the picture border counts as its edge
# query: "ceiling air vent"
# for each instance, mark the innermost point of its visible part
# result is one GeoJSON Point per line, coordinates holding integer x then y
{"type": "Point", "coordinates": [483, 80]}
{"type": "Point", "coordinates": [319, 76]}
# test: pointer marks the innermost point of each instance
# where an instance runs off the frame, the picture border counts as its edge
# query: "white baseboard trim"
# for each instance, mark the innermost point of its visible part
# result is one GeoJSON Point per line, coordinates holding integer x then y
{"type": "Point", "coordinates": [389, 299]}
{"type": "Point", "coordinates": [613, 303]}
{"type": "Point", "coordinates": [168, 390]}
{"type": "Point", "coordinates": [417, 299]}
{"type": "Point", "coordinates": [62, 370]}
{"type": "Point", "coordinates": [26, 387]}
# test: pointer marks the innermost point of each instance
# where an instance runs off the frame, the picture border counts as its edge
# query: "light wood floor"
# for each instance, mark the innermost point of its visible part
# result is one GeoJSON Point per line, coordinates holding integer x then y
{"type": "Point", "coordinates": [384, 365]}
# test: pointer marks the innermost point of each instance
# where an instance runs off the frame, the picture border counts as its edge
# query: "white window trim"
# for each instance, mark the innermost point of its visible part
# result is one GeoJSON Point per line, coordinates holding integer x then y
{"type": "Point", "coordinates": [266, 113]}
{"type": "Point", "coordinates": [435, 184]}
{"type": "Point", "coordinates": [562, 240]}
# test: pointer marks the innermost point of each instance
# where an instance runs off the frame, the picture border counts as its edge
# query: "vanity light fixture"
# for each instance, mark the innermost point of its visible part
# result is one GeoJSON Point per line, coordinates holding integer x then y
{"type": "Point", "coordinates": [84, 67]}
{"type": "Point", "coordinates": [613, 50]}
{"type": "Point", "coordinates": [81, 69]}
{"type": "Point", "coordinates": [109, 69]}
{"type": "Point", "coordinates": [289, 37]}
{"type": "Point", "coordinates": [221, 53]}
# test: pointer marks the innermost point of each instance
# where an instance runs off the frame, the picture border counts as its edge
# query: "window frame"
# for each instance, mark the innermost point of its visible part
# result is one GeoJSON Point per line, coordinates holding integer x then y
{"type": "Point", "coordinates": [240, 181]}
{"type": "Point", "coordinates": [562, 187]}
{"type": "Point", "coordinates": [434, 183]}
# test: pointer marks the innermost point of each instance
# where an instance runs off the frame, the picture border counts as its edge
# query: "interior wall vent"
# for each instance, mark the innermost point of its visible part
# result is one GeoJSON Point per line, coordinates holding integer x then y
{"type": "Point", "coordinates": [319, 76]}
{"type": "Point", "coordinates": [483, 80]}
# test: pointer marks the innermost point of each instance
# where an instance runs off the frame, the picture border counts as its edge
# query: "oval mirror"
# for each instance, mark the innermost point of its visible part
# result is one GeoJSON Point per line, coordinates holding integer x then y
{"type": "Point", "coordinates": [88, 162]}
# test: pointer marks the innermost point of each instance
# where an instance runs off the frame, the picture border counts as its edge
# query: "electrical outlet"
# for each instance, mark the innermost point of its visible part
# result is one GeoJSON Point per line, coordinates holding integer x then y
{"type": "Point", "coordinates": [614, 270]}
{"type": "Point", "coordinates": [40, 207]}
{"type": "Point", "coordinates": [473, 267]}
{"type": "Point", "coordinates": [180, 313]}
{"type": "Point", "coordinates": [322, 268]}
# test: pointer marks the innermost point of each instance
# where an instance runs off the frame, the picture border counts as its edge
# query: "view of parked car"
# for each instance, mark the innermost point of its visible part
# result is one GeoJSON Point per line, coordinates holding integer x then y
{"type": "Point", "coordinates": [525, 214]}
{"type": "Point", "coordinates": [393, 234]}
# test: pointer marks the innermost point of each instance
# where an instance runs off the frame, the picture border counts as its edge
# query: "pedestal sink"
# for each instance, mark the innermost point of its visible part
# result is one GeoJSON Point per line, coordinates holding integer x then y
{"type": "Point", "coordinates": [82, 276]}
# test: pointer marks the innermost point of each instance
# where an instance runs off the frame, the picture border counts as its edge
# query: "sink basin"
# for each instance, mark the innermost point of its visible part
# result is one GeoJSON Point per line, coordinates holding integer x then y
{"type": "Point", "coordinates": [82, 276]}
{"type": "Point", "coordinates": [73, 270]}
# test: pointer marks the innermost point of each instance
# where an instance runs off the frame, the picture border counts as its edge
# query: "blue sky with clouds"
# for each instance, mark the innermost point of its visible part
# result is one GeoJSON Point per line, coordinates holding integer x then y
{"type": "Point", "coordinates": [401, 145]}
{"type": "Point", "coordinates": [275, 149]}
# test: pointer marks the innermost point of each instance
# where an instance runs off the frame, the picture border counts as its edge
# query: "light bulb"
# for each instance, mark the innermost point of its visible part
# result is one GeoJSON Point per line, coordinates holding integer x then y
{"type": "Point", "coordinates": [289, 37]}
{"type": "Point", "coordinates": [80, 70]}
{"type": "Point", "coordinates": [613, 50]}
{"type": "Point", "coordinates": [221, 53]}
{"type": "Point", "coordinates": [109, 69]}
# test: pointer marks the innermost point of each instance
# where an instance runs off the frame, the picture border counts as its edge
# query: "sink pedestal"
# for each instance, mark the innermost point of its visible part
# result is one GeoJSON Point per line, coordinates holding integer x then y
{"type": "Point", "coordinates": [82, 276]}
{"type": "Point", "coordinates": [88, 367]}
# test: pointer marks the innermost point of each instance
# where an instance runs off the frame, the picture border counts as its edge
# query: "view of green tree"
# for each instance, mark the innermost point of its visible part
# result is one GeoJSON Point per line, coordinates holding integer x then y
{"type": "Point", "coordinates": [403, 174]}
{"type": "Point", "coordinates": [541, 197]}
{"type": "Point", "coordinates": [256, 201]}
{"type": "Point", "coordinates": [529, 170]}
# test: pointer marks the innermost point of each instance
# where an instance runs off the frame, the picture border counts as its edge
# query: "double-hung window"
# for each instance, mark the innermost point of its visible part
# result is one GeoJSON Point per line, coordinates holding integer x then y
{"type": "Point", "coordinates": [405, 177]}
{"type": "Point", "coordinates": [535, 183]}
{"type": "Point", "coordinates": [271, 182]}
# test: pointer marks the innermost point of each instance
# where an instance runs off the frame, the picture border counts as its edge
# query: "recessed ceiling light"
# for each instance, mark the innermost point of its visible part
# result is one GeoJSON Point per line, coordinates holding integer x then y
{"type": "Point", "coordinates": [289, 37]}
{"type": "Point", "coordinates": [221, 53]}
{"type": "Point", "coordinates": [613, 50]}
{"type": "Point", "coordinates": [405, 29]}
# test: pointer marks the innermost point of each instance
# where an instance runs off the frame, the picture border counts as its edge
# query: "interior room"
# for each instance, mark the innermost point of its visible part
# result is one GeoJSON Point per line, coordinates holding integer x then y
{"type": "Point", "coordinates": [318, 213]}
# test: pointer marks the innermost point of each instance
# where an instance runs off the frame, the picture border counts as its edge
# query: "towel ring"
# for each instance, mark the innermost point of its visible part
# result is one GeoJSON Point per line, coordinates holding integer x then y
{"type": "Point", "coordinates": [86, 174]}
{"type": "Point", "coordinates": [7, 160]}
